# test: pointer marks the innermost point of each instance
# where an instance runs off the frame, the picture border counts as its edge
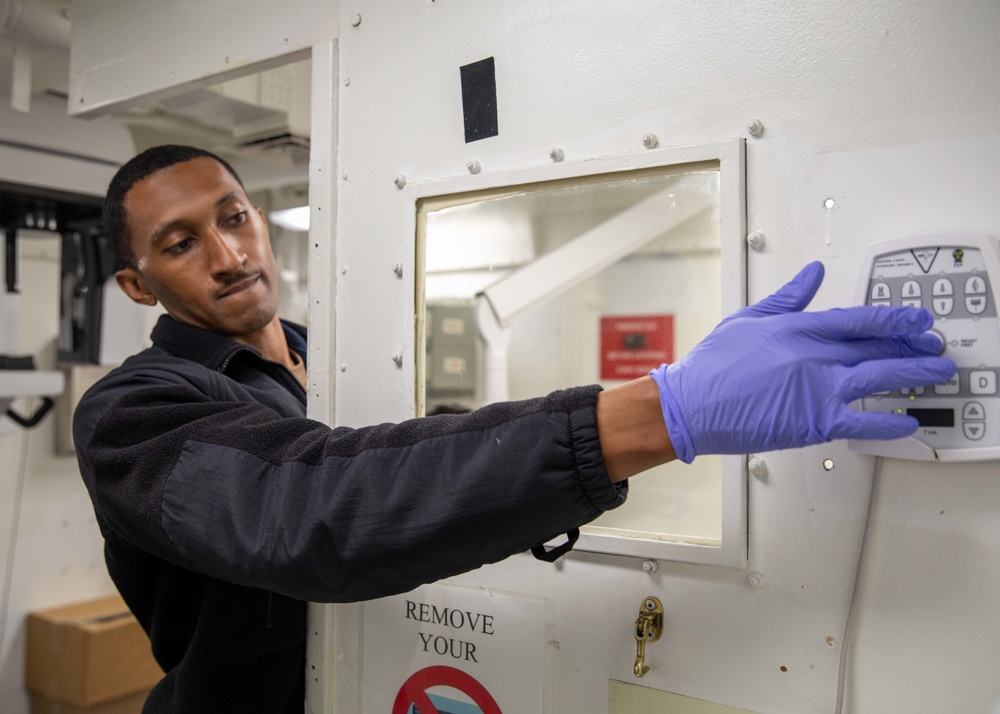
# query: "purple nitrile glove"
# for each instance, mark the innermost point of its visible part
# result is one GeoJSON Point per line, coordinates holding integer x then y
{"type": "Point", "coordinates": [773, 377]}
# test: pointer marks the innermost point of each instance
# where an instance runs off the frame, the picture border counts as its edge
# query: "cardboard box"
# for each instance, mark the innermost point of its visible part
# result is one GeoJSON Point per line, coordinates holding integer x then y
{"type": "Point", "coordinates": [129, 705]}
{"type": "Point", "coordinates": [88, 654]}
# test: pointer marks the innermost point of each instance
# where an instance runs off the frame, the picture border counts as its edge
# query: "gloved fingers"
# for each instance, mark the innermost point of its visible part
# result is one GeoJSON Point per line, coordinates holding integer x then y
{"type": "Point", "coordinates": [852, 352]}
{"type": "Point", "coordinates": [887, 374]}
{"type": "Point", "coordinates": [872, 425]}
{"type": "Point", "coordinates": [793, 296]}
{"type": "Point", "coordinates": [853, 323]}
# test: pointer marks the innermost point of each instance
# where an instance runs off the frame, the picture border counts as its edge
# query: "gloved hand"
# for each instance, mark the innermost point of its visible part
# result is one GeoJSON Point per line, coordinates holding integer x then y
{"type": "Point", "coordinates": [773, 377]}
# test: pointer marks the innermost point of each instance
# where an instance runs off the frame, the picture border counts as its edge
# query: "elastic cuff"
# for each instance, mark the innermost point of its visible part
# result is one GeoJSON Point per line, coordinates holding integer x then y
{"type": "Point", "coordinates": [680, 438]}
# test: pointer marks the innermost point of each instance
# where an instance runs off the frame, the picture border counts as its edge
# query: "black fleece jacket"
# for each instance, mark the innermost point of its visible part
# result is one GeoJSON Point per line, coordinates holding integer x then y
{"type": "Point", "coordinates": [224, 509]}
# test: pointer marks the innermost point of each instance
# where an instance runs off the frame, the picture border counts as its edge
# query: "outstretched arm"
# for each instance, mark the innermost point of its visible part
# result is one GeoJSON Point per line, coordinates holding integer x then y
{"type": "Point", "coordinates": [770, 377]}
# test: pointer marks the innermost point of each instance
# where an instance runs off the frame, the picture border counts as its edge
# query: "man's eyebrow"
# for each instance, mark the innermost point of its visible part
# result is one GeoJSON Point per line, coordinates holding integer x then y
{"type": "Point", "coordinates": [167, 228]}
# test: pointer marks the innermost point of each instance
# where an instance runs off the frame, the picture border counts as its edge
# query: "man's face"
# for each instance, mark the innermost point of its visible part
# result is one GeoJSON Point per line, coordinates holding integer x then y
{"type": "Point", "coordinates": [201, 248]}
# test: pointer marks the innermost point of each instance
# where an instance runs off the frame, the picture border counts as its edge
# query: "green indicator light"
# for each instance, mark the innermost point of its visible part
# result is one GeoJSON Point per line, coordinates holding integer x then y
{"type": "Point", "coordinates": [913, 398]}
{"type": "Point", "coordinates": [899, 411]}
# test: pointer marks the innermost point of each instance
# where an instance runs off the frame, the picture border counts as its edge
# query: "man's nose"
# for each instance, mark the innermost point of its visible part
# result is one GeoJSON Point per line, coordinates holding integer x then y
{"type": "Point", "coordinates": [225, 254]}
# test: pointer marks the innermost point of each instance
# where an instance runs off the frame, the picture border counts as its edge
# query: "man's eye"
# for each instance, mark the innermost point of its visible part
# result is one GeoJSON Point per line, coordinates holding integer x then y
{"type": "Point", "coordinates": [180, 246]}
{"type": "Point", "coordinates": [237, 218]}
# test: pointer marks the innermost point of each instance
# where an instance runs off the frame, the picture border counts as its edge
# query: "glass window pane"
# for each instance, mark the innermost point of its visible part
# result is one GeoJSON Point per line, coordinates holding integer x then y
{"type": "Point", "coordinates": [595, 280]}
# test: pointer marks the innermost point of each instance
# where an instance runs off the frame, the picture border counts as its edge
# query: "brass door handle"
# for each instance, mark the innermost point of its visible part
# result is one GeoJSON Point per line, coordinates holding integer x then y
{"type": "Point", "coordinates": [648, 628]}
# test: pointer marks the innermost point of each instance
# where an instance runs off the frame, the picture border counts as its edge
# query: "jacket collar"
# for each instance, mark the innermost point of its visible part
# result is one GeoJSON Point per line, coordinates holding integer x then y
{"type": "Point", "coordinates": [211, 349]}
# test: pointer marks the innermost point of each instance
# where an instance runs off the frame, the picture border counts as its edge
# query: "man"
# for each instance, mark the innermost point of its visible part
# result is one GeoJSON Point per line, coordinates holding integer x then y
{"type": "Point", "coordinates": [224, 509]}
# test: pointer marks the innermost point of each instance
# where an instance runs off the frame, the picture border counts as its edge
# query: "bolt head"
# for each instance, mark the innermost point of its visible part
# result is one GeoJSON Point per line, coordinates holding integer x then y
{"type": "Point", "coordinates": [556, 154]}
{"type": "Point", "coordinates": [756, 580]}
{"type": "Point", "coordinates": [650, 141]}
{"type": "Point", "coordinates": [356, 20]}
{"type": "Point", "coordinates": [756, 240]}
{"type": "Point", "coordinates": [474, 167]}
{"type": "Point", "coordinates": [755, 127]}
{"type": "Point", "coordinates": [400, 181]}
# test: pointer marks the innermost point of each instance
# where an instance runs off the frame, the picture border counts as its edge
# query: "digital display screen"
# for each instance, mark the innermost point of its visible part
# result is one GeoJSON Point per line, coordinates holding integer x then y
{"type": "Point", "coordinates": [933, 417]}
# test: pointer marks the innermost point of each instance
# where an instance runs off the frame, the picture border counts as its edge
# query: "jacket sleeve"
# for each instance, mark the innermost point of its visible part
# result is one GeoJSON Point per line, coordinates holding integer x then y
{"type": "Point", "coordinates": [235, 491]}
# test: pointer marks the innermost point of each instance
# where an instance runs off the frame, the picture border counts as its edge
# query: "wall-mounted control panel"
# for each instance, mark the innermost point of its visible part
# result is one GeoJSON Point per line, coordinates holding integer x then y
{"type": "Point", "coordinates": [957, 278]}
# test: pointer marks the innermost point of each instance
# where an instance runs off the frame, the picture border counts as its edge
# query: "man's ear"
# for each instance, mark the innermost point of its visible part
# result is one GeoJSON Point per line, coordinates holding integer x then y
{"type": "Point", "coordinates": [134, 286]}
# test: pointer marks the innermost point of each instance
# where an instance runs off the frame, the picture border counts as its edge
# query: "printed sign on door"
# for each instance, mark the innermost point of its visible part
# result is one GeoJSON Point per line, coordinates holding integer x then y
{"type": "Point", "coordinates": [631, 346]}
{"type": "Point", "coordinates": [445, 649]}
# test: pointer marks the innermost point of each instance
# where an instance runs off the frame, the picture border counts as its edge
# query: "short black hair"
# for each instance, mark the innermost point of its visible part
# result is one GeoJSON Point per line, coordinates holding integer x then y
{"type": "Point", "coordinates": [148, 162]}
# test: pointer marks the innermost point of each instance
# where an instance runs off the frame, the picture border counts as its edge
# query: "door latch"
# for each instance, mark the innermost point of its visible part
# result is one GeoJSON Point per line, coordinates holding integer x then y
{"type": "Point", "coordinates": [648, 628]}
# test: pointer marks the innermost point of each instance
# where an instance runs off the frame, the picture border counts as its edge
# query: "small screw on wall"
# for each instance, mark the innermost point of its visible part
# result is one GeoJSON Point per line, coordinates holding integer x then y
{"type": "Point", "coordinates": [400, 180]}
{"type": "Point", "coordinates": [756, 580]}
{"type": "Point", "coordinates": [474, 167]}
{"type": "Point", "coordinates": [650, 566]}
{"type": "Point", "coordinates": [397, 268]}
{"type": "Point", "coordinates": [397, 357]}
{"type": "Point", "coordinates": [755, 127]}
{"type": "Point", "coordinates": [650, 141]}
{"type": "Point", "coordinates": [757, 467]}
{"type": "Point", "coordinates": [556, 154]}
{"type": "Point", "coordinates": [356, 20]}
{"type": "Point", "coordinates": [756, 240]}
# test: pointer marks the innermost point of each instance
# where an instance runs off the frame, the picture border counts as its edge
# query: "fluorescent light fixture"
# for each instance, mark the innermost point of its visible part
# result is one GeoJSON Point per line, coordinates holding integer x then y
{"type": "Point", "coordinates": [293, 219]}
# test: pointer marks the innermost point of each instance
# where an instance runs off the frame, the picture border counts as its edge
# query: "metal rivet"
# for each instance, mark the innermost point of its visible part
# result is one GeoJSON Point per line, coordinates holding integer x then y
{"type": "Point", "coordinates": [756, 240]}
{"type": "Point", "coordinates": [343, 271]}
{"type": "Point", "coordinates": [474, 167]}
{"type": "Point", "coordinates": [400, 180]}
{"type": "Point", "coordinates": [756, 580]}
{"type": "Point", "coordinates": [650, 566]}
{"type": "Point", "coordinates": [828, 464]}
{"type": "Point", "coordinates": [650, 141]}
{"type": "Point", "coordinates": [347, 81]}
{"type": "Point", "coordinates": [829, 203]}
{"type": "Point", "coordinates": [356, 20]}
{"type": "Point", "coordinates": [756, 127]}
{"type": "Point", "coordinates": [556, 154]}
{"type": "Point", "coordinates": [397, 357]}
{"type": "Point", "coordinates": [397, 268]}
{"type": "Point", "coordinates": [757, 467]}
{"type": "Point", "coordinates": [343, 367]}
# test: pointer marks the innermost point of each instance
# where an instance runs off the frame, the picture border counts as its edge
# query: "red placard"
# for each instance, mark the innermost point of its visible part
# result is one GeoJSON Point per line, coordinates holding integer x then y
{"type": "Point", "coordinates": [633, 345]}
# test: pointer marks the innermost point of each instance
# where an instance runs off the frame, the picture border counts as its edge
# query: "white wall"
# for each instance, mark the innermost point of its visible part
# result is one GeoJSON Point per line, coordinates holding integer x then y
{"type": "Point", "coordinates": [888, 107]}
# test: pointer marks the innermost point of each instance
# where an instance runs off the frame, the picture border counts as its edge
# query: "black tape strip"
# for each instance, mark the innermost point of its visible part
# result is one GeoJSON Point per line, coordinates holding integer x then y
{"type": "Point", "coordinates": [479, 100]}
{"type": "Point", "coordinates": [10, 261]}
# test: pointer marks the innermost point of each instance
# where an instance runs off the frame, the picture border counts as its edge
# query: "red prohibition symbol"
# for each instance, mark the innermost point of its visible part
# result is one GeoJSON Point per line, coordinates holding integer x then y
{"type": "Point", "coordinates": [414, 690]}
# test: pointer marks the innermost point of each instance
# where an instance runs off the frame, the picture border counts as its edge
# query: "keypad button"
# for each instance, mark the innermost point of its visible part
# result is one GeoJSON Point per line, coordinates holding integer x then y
{"type": "Point", "coordinates": [973, 430]}
{"type": "Point", "coordinates": [943, 306]}
{"type": "Point", "coordinates": [881, 303]}
{"type": "Point", "coordinates": [973, 411]}
{"type": "Point", "coordinates": [880, 291]}
{"type": "Point", "coordinates": [975, 304]}
{"type": "Point", "coordinates": [912, 303]}
{"type": "Point", "coordinates": [911, 289]}
{"type": "Point", "coordinates": [951, 386]}
{"type": "Point", "coordinates": [975, 286]}
{"type": "Point", "coordinates": [983, 382]}
{"type": "Point", "coordinates": [911, 391]}
{"type": "Point", "coordinates": [942, 286]}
